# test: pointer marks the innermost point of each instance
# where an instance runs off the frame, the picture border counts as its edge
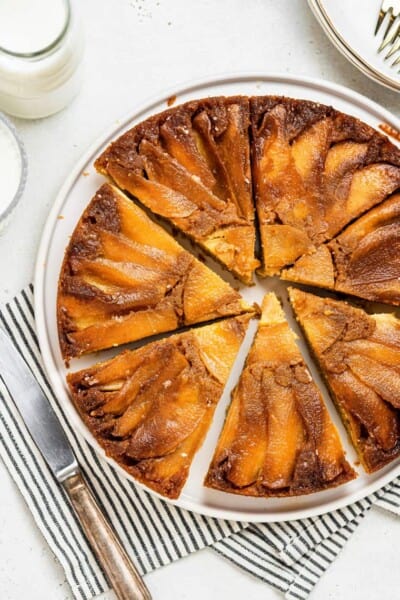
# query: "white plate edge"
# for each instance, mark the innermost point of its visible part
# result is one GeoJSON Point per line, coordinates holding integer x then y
{"type": "Point", "coordinates": [347, 51]}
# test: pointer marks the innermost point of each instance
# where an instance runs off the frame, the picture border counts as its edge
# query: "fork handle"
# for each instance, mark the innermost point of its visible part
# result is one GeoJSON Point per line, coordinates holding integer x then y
{"type": "Point", "coordinates": [119, 569]}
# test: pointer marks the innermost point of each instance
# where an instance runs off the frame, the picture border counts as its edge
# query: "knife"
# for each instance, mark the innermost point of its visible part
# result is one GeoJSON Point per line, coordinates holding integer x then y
{"type": "Point", "coordinates": [48, 435]}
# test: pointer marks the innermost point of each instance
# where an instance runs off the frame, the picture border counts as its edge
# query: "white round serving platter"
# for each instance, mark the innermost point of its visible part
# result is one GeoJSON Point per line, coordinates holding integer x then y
{"type": "Point", "coordinates": [350, 26]}
{"type": "Point", "coordinates": [72, 199]}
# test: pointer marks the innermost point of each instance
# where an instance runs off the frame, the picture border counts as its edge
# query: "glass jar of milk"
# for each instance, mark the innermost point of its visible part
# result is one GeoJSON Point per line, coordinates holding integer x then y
{"type": "Point", "coordinates": [41, 48]}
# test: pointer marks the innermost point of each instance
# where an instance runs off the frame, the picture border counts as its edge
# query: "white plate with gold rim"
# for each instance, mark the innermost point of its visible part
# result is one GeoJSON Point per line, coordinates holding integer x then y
{"type": "Point", "coordinates": [73, 197]}
{"type": "Point", "coordinates": [350, 26]}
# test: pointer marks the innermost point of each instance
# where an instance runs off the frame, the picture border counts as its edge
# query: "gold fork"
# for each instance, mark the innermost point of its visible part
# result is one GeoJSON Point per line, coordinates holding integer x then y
{"type": "Point", "coordinates": [391, 37]}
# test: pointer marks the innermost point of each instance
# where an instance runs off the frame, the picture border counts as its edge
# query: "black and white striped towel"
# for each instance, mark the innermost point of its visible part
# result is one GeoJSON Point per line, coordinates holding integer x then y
{"type": "Point", "coordinates": [290, 556]}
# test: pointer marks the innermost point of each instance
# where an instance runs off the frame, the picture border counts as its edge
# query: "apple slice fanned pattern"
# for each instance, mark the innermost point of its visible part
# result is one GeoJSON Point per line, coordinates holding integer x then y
{"type": "Point", "coordinates": [314, 170]}
{"type": "Point", "coordinates": [278, 438]}
{"type": "Point", "coordinates": [322, 189]}
{"type": "Point", "coordinates": [124, 278]}
{"type": "Point", "coordinates": [359, 356]}
{"type": "Point", "coordinates": [364, 260]}
{"type": "Point", "coordinates": [151, 408]}
{"type": "Point", "coordinates": [191, 165]}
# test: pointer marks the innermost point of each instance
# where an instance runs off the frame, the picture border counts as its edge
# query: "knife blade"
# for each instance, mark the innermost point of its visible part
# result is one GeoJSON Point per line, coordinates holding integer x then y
{"type": "Point", "coordinates": [36, 411]}
{"type": "Point", "coordinates": [49, 436]}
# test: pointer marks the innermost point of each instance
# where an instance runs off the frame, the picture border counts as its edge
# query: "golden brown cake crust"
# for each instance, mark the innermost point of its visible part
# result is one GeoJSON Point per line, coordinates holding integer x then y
{"type": "Point", "coordinates": [359, 356]}
{"type": "Point", "coordinates": [151, 408]}
{"type": "Point", "coordinates": [314, 170]}
{"type": "Point", "coordinates": [191, 165]}
{"type": "Point", "coordinates": [278, 438]}
{"type": "Point", "coordinates": [125, 278]}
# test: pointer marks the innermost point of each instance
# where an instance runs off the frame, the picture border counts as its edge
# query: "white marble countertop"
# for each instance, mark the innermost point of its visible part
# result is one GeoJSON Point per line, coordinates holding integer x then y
{"type": "Point", "coordinates": [135, 49]}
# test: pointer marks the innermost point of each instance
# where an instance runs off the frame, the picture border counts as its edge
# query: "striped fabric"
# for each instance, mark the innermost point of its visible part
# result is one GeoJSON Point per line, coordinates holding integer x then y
{"type": "Point", "coordinates": [290, 556]}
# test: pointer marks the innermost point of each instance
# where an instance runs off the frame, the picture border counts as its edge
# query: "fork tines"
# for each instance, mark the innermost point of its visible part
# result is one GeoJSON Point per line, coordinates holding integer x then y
{"type": "Point", "coordinates": [391, 37]}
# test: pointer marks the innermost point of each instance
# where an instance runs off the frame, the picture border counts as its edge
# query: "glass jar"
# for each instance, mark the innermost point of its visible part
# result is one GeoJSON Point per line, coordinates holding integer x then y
{"type": "Point", "coordinates": [41, 50]}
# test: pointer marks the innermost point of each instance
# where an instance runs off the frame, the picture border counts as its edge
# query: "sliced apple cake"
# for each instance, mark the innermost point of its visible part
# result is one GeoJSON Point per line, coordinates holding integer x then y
{"type": "Point", "coordinates": [124, 278]}
{"type": "Point", "coordinates": [151, 408]}
{"type": "Point", "coordinates": [191, 165]}
{"type": "Point", "coordinates": [278, 438]}
{"type": "Point", "coordinates": [324, 189]}
{"type": "Point", "coordinates": [314, 170]}
{"type": "Point", "coordinates": [359, 356]}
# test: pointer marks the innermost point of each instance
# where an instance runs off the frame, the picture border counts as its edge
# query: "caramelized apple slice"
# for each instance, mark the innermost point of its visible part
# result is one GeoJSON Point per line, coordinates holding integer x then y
{"type": "Point", "coordinates": [171, 363]}
{"type": "Point", "coordinates": [330, 451]}
{"type": "Point", "coordinates": [209, 149]}
{"type": "Point", "coordinates": [325, 323]}
{"type": "Point", "coordinates": [122, 329]}
{"type": "Point", "coordinates": [279, 179]}
{"type": "Point", "coordinates": [370, 186]}
{"type": "Point", "coordinates": [387, 330]}
{"type": "Point", "coordinates": [168, 474]}
{"type": "Point", "coordinates": [106, 373]}
{"type": "Point", "coordinates": [282, 244]}
{"type": "Point", "coordinates": [376, 259]}
{"type": "Point", "coordinates": [314, 269]}
{"type": "Point", "coordinates": [133, 416]}
{"type": "Point", "coordinates": [377, 376]}
{"type": "Point", "coordinates": [166, 171]}
{"type": "Point", "coordinates": [160, 198]}
{"type": "Point", "coordinates": [213, 302]}
{"type": "Point", "coordinates": [309, 151]}
{"type": "Point", "coordinates": [233, 246]}
{"type": "Point", "coordinates": [366, 188]}
{"type": "Point", "coordinates": [218, 346]}
{"type": "Point", "coordinates": [362, 402]}
{"type": "Point", "coordinates": [285, 434]}
{"type": "Point", "coordinates": [89, 303]}
{"type": "Point", "coordinates": [248, 449]}
{"type": "Point", "coordinates": [383, 354]}
{"type": "Point", "coordinates": [179, 140]}
{"type": "Point", "coordinates": [124, 274]}
{"type": "Point", "coordinates": [173, 417]}
{"type": "Point", "coordinates": [233, 148]}
{"type": "Point", "coordinates": [342, 160]}
{"type": "Point", "coordinates": [137, 226]}
{"type": "Point", "coordinates": [121, 249]}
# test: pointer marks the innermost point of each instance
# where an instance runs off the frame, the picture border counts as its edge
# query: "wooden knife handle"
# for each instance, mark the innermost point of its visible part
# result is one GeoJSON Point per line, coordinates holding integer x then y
{"type": "Point", "coordinates": [119, 569]}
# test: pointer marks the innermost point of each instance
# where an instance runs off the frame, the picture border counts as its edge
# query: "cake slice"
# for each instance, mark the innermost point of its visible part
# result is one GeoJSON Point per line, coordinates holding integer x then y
{"type": "Point", "coordinates": [359, 356]}
{"type": "Point", "coordinates": [151, 408]}
{"type": "Point", "coordinates": [364, 260]}
{"type": "Point", "coordinates": [314, 170]}
{"type": "Point", "coordinates": [124, 278]}
{"type": "Point", "coordinates": [191, 165]}
{"type": "Point", "coordinates": [278, 438]}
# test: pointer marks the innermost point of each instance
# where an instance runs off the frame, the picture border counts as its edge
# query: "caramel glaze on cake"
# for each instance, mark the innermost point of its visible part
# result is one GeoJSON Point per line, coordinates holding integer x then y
{"type": "Point", "coordinates": [359, 356]}
{"type": "Point", "coordinates": [314, 170]}
{"type": "Point", "coordinates": [151, 408]}
{"type": "Point", "coordinates": [124, 278]}
{"type": "Point", "coordinates": [363, 261]}
{"type": "Point", "coordinates": [191, 165]}
{"type": "Point", "coordinates": [278, 438]}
